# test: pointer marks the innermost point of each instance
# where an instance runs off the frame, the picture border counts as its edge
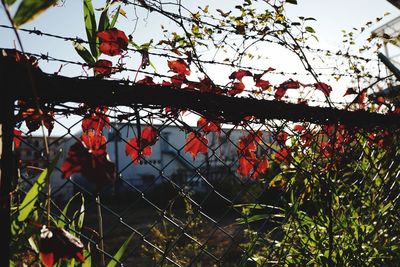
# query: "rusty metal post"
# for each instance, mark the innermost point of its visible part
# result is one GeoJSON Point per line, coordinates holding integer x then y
{"type": "Point", "coordinates": [7, 165]}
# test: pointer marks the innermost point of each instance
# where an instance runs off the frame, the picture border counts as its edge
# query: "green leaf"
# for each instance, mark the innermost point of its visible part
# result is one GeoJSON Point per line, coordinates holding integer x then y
{"type": "Point", "coordinates": [154, 67]}
{"type": "Point", "coordinates": [104, 22]}
{"type": "Point", "coordinates": [90, 25]}
{"type": "Point", "coordinates": [115, 17]}
{"type": "Point", "coordinates": [63, 216]}
{"type": "Point", "coordinates": [294, 2]}
{"type": "Point", "coordinates": [310, 29]}
{"type": "Point", "coordinates": [81, 213]}
{"type": "Point", "coordinates": [29, 9]}
{"type": "Point", "coordinates": [9, 2]}
{"type": "Point", "coordinates": [120, 252]}
{"type": "Point", "coordinates": [27, 205]}
{"type": "Point", "coordinates": [88, 258]}
{"type": "Point", "coordinates": [33, 244]}
{"type": "Point", "coordinates": [84, 53]}
{"type": "Point", "coordinates": [253, 218]}
{"type": "Point", "coordinates": [135, 45]}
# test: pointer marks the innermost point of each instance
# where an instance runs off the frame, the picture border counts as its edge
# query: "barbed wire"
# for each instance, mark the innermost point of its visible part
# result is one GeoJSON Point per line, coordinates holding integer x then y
{"type": "Point", "coordinates": [211, 62]}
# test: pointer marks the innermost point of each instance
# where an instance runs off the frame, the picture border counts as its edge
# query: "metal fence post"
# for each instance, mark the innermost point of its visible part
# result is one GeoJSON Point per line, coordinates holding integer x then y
{"type": "Point", "coordinates": [7, 126]}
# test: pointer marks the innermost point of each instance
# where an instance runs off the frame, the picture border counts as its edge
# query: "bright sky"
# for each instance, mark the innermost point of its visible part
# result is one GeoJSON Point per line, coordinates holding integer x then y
{"type": "Point", "coordinates": [331, 18]}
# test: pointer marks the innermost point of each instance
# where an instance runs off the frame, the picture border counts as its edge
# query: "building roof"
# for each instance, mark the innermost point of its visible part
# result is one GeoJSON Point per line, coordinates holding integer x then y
{"type": "Point", "coordinates": [396, 3]}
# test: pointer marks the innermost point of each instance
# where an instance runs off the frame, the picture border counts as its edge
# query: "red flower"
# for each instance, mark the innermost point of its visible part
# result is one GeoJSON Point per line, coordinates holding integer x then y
{"type": "Point", "coordinates": [93, 164]}
{"type": "Point", "coordinates": [103, 67]}
{"type": "Point", "coordinates": [56, 244]}
{"type": "Point", "coordinates": [196, 144]}
{"type": "Point", "coordinates": [113, 41]}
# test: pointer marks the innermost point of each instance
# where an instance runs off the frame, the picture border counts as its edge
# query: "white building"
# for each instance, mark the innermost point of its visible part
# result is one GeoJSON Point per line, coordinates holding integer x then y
{"type": "Point", "coordinates": [168, 160]}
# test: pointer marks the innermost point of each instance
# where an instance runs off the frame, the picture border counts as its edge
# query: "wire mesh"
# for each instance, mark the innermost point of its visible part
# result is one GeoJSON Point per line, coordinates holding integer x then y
{"type": "Point", "coordinates": [199, 198]}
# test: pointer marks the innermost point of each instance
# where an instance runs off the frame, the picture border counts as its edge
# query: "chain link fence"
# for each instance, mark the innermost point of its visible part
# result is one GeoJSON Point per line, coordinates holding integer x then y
{"type": "Point", "coordinates": [178, 186]}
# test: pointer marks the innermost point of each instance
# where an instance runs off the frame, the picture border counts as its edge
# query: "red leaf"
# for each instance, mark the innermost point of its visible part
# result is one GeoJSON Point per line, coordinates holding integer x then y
{"type": "Point", "coordinates": [247, 145]}
{"type": "Point", "coordinates": [179, 66]}
{"type": "Point", "coordinates": [196, 144]}
{"type": "Point", "coordinates": [298, 128]}
{"type": "Point", "coordinates": [208, 126]}
{"type": "Point", "coordinates": [263, 84]}
{"type": "Point", "coordinates": [283, 155]}
{"type": "Point", "coordinates": [237, 88]}
{"type": "Point", "coordinates": [380, 100]}
{"type": "Point", "coordinates": [147, 80]}
{"type": "Point", "coordinates": [47, 259]}
{"type": "Point", "coordinates": [96, 121]}
{"type": "Point", "coordinates": [257, 77]}
{"type": "Point", "coordinates": [248, 118]}
{"type": "Point", "coordinates": [177, 80]}
{"type": "Point", "coordinates": [17, 138]}
{"type": "Point", "coordinates": [33, 119]}
{"type": "Point", "coordinates": [245, 166]}
{"type": "Point", "coordinates": [113, 41]}
{"type": "Point", "coordinates": [360, 98]}
{"type": "Point", "coordinates": [96, 168]}
{"type": "Point", "coordinates": [281, 89]}
{"type": "Point", "coordinates": [290, 84]}
{"type": "Point", "coordinates": [103, 67]}
{"type": "Point", "coordinates": [279, 93]}
{"type": "Point", "coordinates": [132, 149]}
{"type": "Point", "coordinates": [240, 74]}
{"type": "Point", "coordinates": [248, 161]}
{"type": "Point", "coordinates": [261, 167]}
{"type": "Point", "coordinates": [149, 136]}
{"type": "Point", "coordinates": [350, 91]}
{"type": "Point", "coordinates": [166, 83]}
{"type": "Point", "coordinates": [95, 142]}
{"type": "Point", "coordinates": [323, 87]}
{"type": "Point", "coordinates": [282, 137]}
